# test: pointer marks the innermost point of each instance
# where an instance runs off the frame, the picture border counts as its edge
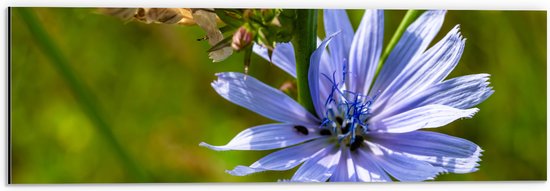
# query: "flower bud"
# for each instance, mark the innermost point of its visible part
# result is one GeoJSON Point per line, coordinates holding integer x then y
{"type": "Point", "coordinates": [242, 38]}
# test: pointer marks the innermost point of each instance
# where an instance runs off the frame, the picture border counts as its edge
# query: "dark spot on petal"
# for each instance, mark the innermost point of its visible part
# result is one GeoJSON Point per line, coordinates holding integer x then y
{"type": "Point", "coordinates": [325, 132]}
{"type": "Point", "coordinates": [339, 120]}
{"type": "Point", "coordinates": [356, 143]}
{"type": "Point", "coordinates": [301, 129]}
{"type": "Point", "coordinates": [345, 129]}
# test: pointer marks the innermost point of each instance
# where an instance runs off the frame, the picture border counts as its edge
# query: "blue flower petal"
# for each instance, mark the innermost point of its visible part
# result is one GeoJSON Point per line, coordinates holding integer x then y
{"type": "Point", "coordinates": [314, 76]}
{"type": "Point", "coordinates": [410, 95]}
{"type": "Point", "coordinates": [256, 96]}
{"type": "Point", "coordinates": [336, 20]}
{"type": "Point", "coordinates": [454, 154]}
{"type": "Point", "coordinates": [272, 136]}
{"type": "Point", "coordinates": [413, 42]}
{"type": "Point", "coordinates": [320, 167]}
{"type": "Point", "coordinates": [401, 167]}
{"type": "Point", "coordinates": [325, 68]}
{"type": "Point", "coordinates": [345, 171]}
{"type": "Point", "coordinates": [428, 69]}
{"type": "Point", "coordinates": [282, 56]}
{"type": "Point", "coordinates": [429, 116]}
{"type": "Point", "coordinates": [365, 51]}
{"type": "Point", "coordinates": [460, 92]}
{"type": "Point", "coordinates": [367, 170]}
{"type": "Point", "coordinates": [283, 159]}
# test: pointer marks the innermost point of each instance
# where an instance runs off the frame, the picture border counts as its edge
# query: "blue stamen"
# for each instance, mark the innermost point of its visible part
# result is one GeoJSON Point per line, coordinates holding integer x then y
{"type": "Point", "coordinates": [344, 71]}
{"type": "Point", "coordinates": [352, 107]}
{"type": "Point", "coordinates": [325, 121]}
{"type": "Point", "coordinates": [365, 129]}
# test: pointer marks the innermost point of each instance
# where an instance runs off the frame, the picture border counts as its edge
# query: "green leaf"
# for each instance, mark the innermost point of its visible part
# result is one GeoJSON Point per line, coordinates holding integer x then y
{"type": "Point", "coordinates": [232, 17]}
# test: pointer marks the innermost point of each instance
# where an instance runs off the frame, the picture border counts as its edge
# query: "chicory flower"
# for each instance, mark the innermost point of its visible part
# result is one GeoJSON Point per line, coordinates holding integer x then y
{"type": "Point", "coordinates": [361, 132]}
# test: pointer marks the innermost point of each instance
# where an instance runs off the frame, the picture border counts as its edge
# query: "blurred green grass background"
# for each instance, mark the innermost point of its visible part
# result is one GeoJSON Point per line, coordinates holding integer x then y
{"type": "Point", "coordinates": [152, 83]}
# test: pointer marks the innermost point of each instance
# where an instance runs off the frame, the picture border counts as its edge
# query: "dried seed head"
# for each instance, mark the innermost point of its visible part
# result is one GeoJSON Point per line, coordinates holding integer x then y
{"type": "Point", "coordinates": [180, 16]}
{"type": "Point", "coordinates": [167, 15]}
{"type": "Point", "coordinates": [140, 14]}
{"type": "Point", "coordinates": [207, 20]}
{"type": "Point", "coordinates": [187, 17]}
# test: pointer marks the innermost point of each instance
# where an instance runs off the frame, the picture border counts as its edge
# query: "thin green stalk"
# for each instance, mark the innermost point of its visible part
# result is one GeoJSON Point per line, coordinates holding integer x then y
{"type": "Point", "coordinates": [82, 94]}
{"type": "Point", "coordinates": [305, 42]}
{"type": "Point", "coordinates": [410, 16]}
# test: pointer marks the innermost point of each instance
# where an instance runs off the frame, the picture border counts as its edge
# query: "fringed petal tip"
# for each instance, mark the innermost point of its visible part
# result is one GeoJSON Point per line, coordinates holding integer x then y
{"type": "Point", "coordinates": [218, 84]}
{"type": "Point", "coordinates": [243, 171]}
{"type": "Point", "coordinates": [214, 84]}
{"type": "Point", "coordinates": [469, 164]}
{"type": "Point", "coordinates": [438, 171]}
{"type": "Point", "coordinates": [477, 155]}
{"type": "Point", "coordinates": [456, 34]}
{"type": "Point", "coordinates": [429, 116]}
{"type": "Point", "coordinates": [236, 171]}
{"type": "Point", "coordinates": [216, 148]}
{"type": "Point", "coordinates": [225, 74]}
{"type": "Point", "coordinates": [471, 112]}
{"type": "Point", "coordinates": [479, 151]}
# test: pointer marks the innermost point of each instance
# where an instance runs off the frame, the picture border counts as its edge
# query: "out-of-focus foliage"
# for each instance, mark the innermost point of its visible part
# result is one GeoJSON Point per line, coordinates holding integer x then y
{"type": "Point", "coordinates": [152, 83]}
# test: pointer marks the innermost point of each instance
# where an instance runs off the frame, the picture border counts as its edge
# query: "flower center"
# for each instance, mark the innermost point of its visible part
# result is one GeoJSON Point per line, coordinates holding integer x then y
{"type": "Point", "coordinates": [346, 115]}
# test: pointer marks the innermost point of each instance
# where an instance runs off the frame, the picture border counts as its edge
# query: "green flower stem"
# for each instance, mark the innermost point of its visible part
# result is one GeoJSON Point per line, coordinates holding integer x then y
{"type": "Point", "coordinates": [305, 42]}
{"type": "Point", "coordinates": [410, 16]}
{"type": "Point", "coordinates": [82, 94]}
